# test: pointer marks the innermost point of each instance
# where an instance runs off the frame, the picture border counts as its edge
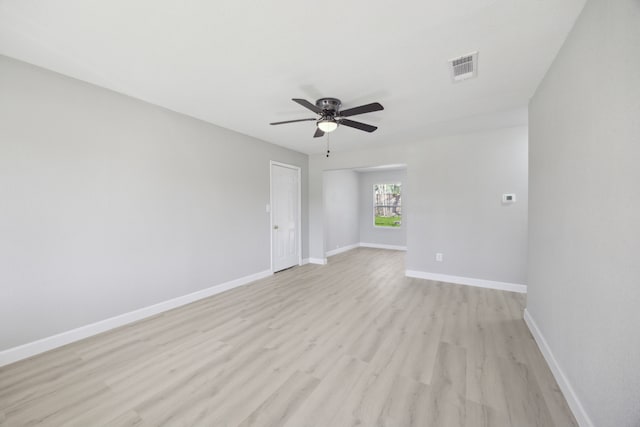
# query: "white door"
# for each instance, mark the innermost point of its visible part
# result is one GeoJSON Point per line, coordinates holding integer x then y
{"type": "Point", "coordinates": [285, 216]}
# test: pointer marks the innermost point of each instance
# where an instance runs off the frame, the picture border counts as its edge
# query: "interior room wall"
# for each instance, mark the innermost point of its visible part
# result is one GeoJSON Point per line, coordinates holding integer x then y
{"type": "Point", "coordinates": [454, 186]}
{"type": "Point", "coordinates": [341, 192]}
{"type": "Point", "coordinates": [369, 234]}
{"type": "Point", "coordinates": [584, 216]}
{"type": "Point", "coordinates": [109, 204]}
{"type": "Point", "coordinates": [456, 206]}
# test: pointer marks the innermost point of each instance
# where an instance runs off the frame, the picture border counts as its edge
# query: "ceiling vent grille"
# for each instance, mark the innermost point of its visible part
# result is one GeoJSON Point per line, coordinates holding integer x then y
{"type": "Point", "coordinates": [464, 67]}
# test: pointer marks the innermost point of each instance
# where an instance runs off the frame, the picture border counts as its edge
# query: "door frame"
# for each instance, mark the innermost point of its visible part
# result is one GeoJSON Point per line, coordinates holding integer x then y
{"type": "Point", "coordinates": [273, 163]}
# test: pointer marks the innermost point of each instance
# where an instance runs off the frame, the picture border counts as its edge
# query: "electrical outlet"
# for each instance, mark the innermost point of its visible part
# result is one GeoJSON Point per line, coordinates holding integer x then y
{"type": "Point", "coordinates": [439, 256]}
{"type": "Point", "coordinates": [508, 199]}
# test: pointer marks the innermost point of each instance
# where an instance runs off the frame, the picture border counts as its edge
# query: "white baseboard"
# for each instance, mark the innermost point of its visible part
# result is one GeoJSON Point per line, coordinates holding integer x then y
{"type": "Point", "coordinates": [381, 246]}
{"type": "Point", "coordinates": [364, 245]}
{"type": "Point", "coordinates": [481, 283]}
{"type": "Point", "coordinates": [305, 261]}
{"type": "Point", "coordinates": [321, 261]}
{"type": "Point", "coordinates": [564, 384]}
{"type": "Point", "coordinates": [49, 343]}
{"type": "Point", "coordinates": [342, 249]}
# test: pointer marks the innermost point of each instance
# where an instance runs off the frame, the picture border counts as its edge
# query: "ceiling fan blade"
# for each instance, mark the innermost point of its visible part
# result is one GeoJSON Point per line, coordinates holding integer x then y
{"type": "Point", "coordinates": [307, 104]}
{"type": "Point", "coordinates": [362, 126]}
{"type": "Point", "coordinates": [318, 133]}
{"type": "Point", "coordinates": [368, 108]}
{"type": "Point", "coordinates": [292, 121]}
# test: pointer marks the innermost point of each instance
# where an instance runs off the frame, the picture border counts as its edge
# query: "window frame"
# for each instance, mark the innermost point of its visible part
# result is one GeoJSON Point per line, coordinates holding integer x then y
{"type": "Point", "coordinates": [374, 205]}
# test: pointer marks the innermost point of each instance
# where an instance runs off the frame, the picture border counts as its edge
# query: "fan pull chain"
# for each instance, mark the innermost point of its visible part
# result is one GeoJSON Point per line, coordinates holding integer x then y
{"type": "Point", "coordinates": [328, 145]}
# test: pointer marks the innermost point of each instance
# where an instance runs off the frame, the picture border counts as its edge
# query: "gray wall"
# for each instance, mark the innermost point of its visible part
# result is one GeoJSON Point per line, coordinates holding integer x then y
{"type": "Point", "coordinates": [456, 206]}
{"type": "Point", "coordinates": [584, 244]}
{"type": "Point", "coordinates": [341, 194]}
{"type": "Point", "coordinates": [109, 204]}
{"type": "Point", "coordinates": [381, 235]}
{"type": "Point", "coordinates": [454, 187]}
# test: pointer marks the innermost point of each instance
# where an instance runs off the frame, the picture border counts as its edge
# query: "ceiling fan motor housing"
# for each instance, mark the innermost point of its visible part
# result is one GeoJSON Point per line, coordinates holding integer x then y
{"type": "Point", "coordinates": [329, 105]}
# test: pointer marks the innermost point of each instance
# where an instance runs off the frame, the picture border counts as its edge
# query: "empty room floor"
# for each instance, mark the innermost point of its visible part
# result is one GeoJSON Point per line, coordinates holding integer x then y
{"type": "Point", "coordinates": [351, 343]}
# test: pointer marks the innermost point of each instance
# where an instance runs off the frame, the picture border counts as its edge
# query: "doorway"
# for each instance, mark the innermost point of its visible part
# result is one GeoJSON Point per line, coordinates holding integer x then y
{"type": "Point", "coordinates": [286, 238]}
{"type": "Point", "coordinates": [364, 207]}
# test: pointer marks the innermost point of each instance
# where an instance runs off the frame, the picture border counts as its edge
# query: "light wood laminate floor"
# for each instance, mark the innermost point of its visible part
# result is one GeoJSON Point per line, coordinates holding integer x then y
{"type": "Point", "coordinates": [353, 343]}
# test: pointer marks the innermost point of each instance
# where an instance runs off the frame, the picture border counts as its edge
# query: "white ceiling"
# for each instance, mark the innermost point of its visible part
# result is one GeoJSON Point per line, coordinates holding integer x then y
{"type": "Point", "coordinates": [381, 168]}
{"type": "Point", "coordinates": [238, 63]}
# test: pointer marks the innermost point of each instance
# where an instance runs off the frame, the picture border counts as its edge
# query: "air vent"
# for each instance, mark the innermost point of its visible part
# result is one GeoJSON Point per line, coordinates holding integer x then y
{"type": "Point", "coordinates": [464, 67]}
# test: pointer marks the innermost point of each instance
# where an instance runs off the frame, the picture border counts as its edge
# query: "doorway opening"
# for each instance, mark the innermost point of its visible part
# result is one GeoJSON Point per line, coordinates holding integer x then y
{"type": "Point", "coordinates": [364, 207]}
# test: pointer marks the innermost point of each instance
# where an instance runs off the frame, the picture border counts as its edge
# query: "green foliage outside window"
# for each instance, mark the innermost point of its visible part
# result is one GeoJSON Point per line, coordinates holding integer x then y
{"type": "Point", "coordinates": [387, 205]}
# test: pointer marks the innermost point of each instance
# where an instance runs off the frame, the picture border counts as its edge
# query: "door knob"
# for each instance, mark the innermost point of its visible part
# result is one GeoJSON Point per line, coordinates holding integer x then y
{"type": "Point", "coordinates": [275, 227]}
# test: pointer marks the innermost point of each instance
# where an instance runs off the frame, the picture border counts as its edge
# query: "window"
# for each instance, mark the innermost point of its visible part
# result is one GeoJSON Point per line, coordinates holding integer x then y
{"type": "Point", "coordinates": [387, 205]}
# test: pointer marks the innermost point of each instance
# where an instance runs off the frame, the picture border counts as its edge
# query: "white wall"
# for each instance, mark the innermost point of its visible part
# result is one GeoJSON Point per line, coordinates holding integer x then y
{"type": "Point", "coordinates": [340, 203]}
{"type": "Point", "coordinates": [584, 273]}
{"type": "Point", "coordinates": [109, 204]}
{"type": "Point", "coordinates": [394, 236]}
{"type": "Point", "coordinates": [454, 186]}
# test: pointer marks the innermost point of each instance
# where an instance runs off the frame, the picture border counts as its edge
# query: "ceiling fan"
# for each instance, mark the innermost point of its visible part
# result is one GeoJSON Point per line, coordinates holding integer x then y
{"type": "Point", "coordinates": [330, 116]}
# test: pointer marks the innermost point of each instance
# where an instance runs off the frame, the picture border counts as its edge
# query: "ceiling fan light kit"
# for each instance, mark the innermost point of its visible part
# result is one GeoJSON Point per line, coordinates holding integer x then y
{"type": "Point", "coordinates": [327, 125]}
{"type": "Point", "coordinates": [330, 116]}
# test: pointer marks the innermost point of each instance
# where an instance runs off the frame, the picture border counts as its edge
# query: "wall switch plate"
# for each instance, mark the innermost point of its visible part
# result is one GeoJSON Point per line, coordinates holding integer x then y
{"type": "Point", "coordinates": [439, 257]}
{"type": "Point", "coordinates": [508, 198]}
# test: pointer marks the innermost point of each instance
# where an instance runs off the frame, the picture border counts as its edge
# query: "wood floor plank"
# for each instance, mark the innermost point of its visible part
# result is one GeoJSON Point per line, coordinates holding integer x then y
{"type": "Point", "coordinates": [477, 415]}
{"type": "Point", "coordinates": [407, 404]}
{"type": "Point", "coordinates": [326, 400]}
{"type": "Point", "coordinates": [352, 343]}
{"type": "Point", "coordinates": [278, 408]}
